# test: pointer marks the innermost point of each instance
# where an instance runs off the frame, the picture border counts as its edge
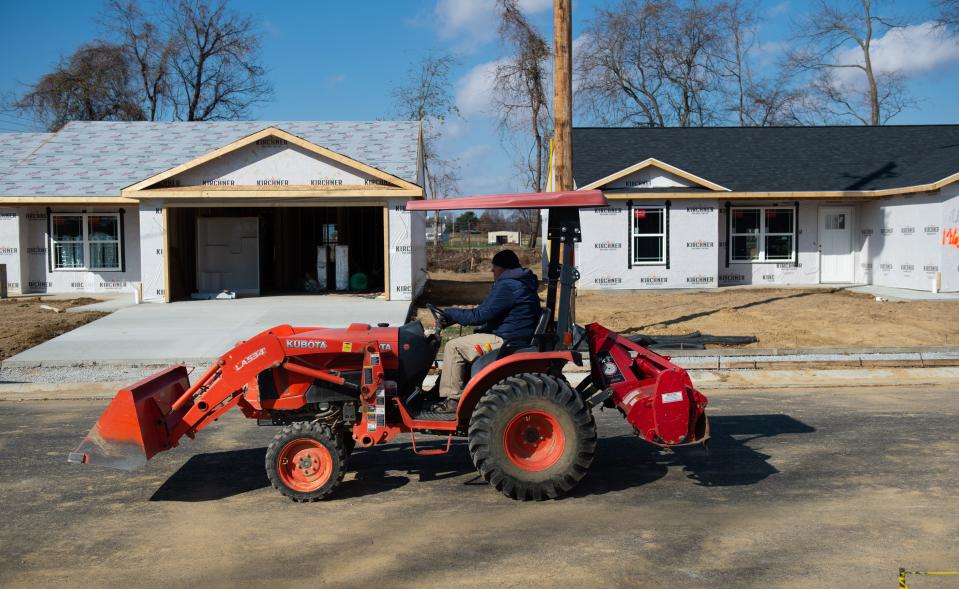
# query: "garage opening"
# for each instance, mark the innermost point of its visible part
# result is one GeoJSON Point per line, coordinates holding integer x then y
{"type": "Point", "coordinates": [277, 250]}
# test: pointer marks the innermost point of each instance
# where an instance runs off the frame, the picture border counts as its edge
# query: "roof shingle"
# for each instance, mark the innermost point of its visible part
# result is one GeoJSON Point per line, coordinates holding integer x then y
{"type": "Point", "coordinates": [100, 158]}
{"type": "Point", "coordinates": [772, 159]}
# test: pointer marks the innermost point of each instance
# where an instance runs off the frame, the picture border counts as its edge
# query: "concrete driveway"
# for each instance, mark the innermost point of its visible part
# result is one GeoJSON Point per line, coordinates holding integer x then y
{"type": "Point", "coordinates": [198, 331]}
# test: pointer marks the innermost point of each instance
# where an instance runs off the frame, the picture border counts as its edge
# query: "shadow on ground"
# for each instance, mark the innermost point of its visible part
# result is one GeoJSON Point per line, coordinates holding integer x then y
{"type": "Point", "coordinates": [622, 462]}
{"type": "Point", "coordinates": [728, 460]}
{"type": "Point", "coordinates": [708, 312]}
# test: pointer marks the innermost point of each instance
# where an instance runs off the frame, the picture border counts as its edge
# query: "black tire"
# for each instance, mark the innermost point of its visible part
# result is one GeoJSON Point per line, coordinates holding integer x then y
{"type": "Point", "coordinates": [348, 442]}
{"type": "Point", "coordinates": [501, 413]}
{"type": "Point", "coordinates": [320, 449]}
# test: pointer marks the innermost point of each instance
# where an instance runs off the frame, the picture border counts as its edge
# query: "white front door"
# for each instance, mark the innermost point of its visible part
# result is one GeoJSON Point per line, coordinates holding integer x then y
{"type": "Point", "coordinates": [228, 254]}
{"type": "Point", "coordinates": [835, 244]}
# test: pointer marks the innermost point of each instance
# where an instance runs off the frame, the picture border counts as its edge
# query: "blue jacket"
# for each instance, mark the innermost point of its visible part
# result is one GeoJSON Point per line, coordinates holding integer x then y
{"type": "Point", "coordinates": [511, 310]}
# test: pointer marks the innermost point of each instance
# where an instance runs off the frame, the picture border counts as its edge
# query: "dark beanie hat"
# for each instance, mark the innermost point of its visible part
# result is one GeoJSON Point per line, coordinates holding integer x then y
{"type": "Point", "coordinates": [506, 259]}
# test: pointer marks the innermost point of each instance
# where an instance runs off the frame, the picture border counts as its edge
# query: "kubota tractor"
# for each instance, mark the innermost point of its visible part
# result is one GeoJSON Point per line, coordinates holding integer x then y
{"type": "Point", "coordinates": [530, 434]}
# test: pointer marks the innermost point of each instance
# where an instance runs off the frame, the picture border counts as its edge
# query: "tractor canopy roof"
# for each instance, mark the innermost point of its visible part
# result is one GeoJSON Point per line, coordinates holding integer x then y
{"type": "Point", "coordinates": [530, 200]}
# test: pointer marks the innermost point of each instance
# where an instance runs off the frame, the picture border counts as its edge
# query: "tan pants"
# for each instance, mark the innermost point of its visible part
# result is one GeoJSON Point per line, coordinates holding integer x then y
{"type": "Point", "coordinates": [458, 355]}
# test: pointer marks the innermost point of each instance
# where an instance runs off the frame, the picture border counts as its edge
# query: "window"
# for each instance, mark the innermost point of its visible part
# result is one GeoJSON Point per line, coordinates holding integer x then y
{"type": "Point", "coordinates": [649, 235]}
{"type": "Point", "coordinates": [836, 222]}
{"type": "Point", "coordinates": [764, 234]}
{"type": "Point", "coordinates": [85, 241]}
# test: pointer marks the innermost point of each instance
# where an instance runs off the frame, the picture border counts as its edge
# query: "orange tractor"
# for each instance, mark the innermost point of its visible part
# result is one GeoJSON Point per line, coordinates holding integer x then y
{"type": "Point", "coordinates": [530, 433]}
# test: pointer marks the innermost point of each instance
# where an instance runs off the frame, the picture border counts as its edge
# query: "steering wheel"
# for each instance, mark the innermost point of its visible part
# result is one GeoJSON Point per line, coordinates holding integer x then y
{"type": "Point", "coordinates": [439, 316]}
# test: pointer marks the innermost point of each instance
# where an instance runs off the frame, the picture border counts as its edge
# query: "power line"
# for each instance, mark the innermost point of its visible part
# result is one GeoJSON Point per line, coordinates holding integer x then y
{"type": "Point", "coordinates": [20, 126]}
{"type": "Point", "coordinates": [10, 120]}
{"type": "Point", "coordinates": [17, 128]}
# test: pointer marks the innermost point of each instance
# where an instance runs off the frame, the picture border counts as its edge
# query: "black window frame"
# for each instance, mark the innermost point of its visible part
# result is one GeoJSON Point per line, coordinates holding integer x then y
{"type": "Point", "coordinates": [762, 234]}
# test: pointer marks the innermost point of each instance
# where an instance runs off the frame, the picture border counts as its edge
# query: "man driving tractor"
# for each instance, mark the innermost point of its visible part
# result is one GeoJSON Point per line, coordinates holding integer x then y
{"type": "Point", "coordinates": [507, 316]}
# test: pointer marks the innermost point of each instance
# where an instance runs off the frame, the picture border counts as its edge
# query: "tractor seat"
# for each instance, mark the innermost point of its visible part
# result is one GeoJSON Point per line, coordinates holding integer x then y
{"type": "Point", "coordinates": [538, 343]}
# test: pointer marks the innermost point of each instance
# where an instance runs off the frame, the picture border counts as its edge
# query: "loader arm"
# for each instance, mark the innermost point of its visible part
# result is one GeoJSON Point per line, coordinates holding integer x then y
{"type": "Point", "coordinates": [154, 414]}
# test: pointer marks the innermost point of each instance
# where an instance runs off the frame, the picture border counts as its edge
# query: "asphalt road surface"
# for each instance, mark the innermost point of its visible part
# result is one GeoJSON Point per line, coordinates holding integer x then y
{"type": "Point", "coordinates": [826, 488]}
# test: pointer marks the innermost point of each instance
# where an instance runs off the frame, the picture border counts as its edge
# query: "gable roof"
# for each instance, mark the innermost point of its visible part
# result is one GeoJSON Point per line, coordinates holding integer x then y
{"type": "Point", "coordinates": [655, 163]}
{"type": "Point", "coordinates": [101, 158]}
{"type": "Point", "coordinates": [251, 139]}
{"type": "Point", "coordinates": [777, 159]}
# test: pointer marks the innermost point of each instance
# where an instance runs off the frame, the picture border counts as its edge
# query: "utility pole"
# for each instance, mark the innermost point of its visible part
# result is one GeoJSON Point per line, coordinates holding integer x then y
{"type": "Point", "coordinates": [563, 129]}
{"type": "Point", "coordinates": [562, 95]}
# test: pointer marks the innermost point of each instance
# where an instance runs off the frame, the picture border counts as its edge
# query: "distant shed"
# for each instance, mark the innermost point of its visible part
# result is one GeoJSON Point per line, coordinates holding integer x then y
{"type": "Point", "coordinates": [502, 237]}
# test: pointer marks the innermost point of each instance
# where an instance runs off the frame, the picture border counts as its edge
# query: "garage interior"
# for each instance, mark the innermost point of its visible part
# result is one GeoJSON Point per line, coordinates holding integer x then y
{"type": "Point", "coordinates": [287, 245]}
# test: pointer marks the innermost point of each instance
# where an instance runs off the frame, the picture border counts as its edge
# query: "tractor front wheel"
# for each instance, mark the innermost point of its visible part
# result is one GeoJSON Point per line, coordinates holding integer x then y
{"type": "Point", "coordinates": [305, 461]}
{"type": "Point", "coordinates": [532, 437]}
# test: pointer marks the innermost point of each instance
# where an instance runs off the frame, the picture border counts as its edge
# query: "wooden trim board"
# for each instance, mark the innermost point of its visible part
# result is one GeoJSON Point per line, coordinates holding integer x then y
{"type": "Point", "coordinates": [66, 200]}
{"type": "Point", "coordinates": [863, 195]}
{"type": "Point", "coordinates": [166, 255]}
{"type": "Point", "coordinates": [287, 203]}
{"type": "Point", "coordinates": [387, 287]}
{"type": "Point", "coordinates": [218, 192]}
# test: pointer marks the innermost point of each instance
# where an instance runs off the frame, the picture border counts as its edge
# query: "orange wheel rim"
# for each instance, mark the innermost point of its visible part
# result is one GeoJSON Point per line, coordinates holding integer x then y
{"type": "Point", "coordinates": [534, 441]}
{"type": "Point", "coordinates": [304, 465]}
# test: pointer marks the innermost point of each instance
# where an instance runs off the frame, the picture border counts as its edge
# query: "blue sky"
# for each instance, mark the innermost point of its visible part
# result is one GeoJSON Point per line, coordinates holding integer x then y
{"type": "Point", "coordinates": [338, 60]}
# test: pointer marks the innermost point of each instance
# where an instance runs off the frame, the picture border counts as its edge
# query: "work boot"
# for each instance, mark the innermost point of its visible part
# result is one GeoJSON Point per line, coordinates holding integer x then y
{"type": "Point", "coordinates": [446, 406]}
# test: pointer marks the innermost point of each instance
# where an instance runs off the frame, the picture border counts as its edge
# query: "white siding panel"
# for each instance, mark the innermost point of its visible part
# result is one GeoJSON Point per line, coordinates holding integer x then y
{"type": "Point", "coordinates": [948, 241]}
{"type": "Point", "coordinates": [418, 241]}
{"type": "Point", "coordinates": [900, 241]}
{"type": "Point", "coordinates": [152, 242]}
{"type": "Point", "coordinates": [603, 257]}
{"type": "Point", "coordinates": [272, 162]}
{"type": "Point", "coordinates": [10, 247]}
{"type": "Point", "coordinates": [400, 246]}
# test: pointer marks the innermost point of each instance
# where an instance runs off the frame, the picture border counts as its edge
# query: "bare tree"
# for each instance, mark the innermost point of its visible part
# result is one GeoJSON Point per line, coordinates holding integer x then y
{"type": "Point", "coordinates": [521, 92]}
{"type": "Point", "coordinates": [93, 84]}
{"type": "Point", "coordinates": [839, 39]}
{"type": "Point", "coordinates": [215, 63]}
{"type": "Point", "coordinates": [427, 96]}
{"type": "Point", "coordinates": [653, 63]}
{"type": "Point", "coordinates": [948, 12]}
{"type": "Point", "coordinates": [200, 62]}
{"type": "Point", "coordinates": [739, 22]}
{"type": "Point", "coordinates": [777, 101]}
{"type": "Point", "coordinates": [754, 99]}
{"type": "Point", "coordinates": [491, 220]}
{"type": "Point", "coordinates": [149, 49]}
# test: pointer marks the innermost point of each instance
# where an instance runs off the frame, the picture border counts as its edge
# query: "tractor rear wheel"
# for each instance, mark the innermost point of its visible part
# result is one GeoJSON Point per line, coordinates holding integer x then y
{"type": "Point", "coordinates": [532, 437]}
{"type": "Point", "coordinates": [348, 442]}
{"type": "Point", "coordinates": [305, 461]}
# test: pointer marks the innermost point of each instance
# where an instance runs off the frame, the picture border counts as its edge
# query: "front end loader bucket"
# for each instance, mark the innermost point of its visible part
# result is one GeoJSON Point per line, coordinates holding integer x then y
{"type": "Point", "coordinates": [133, 428]}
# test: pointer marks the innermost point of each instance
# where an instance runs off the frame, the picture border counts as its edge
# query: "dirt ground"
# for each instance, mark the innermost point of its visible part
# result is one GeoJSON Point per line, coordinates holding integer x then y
{"type": "Point", "coordinates": [24, 324]}
{"type": "Point", "coordinates": [778, 317]}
